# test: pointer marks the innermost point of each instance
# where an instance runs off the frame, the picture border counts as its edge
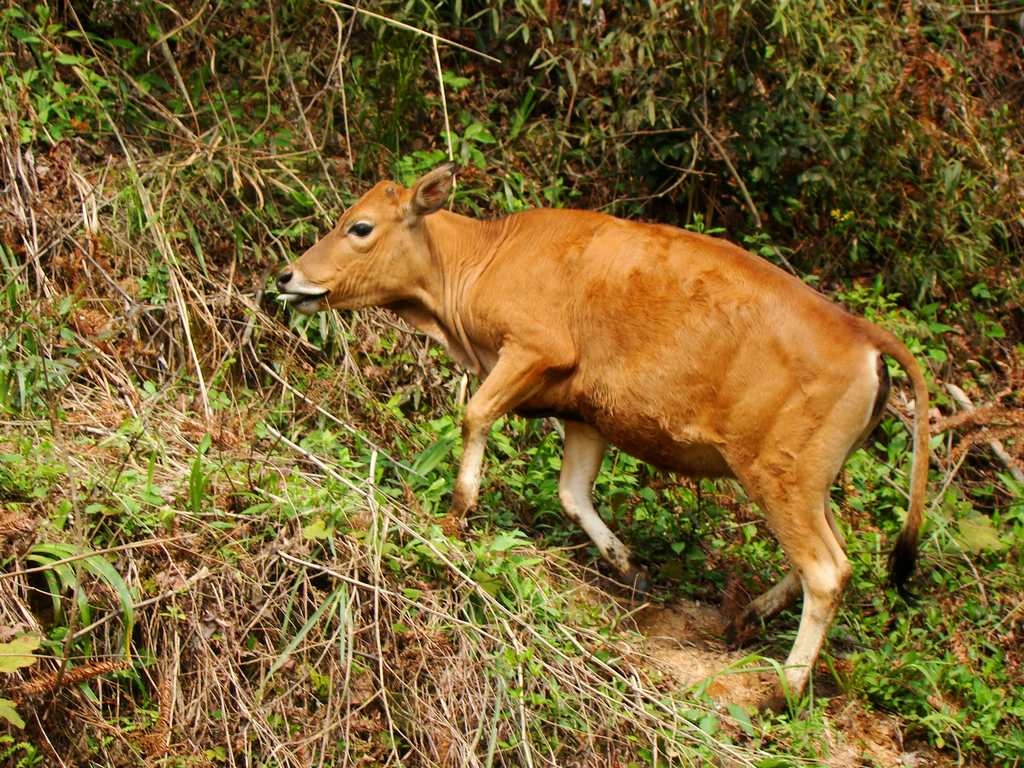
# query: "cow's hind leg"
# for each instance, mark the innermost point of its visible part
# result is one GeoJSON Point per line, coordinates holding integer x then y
{"type": "Point", "coordinates": [584, 449]}
{"type": "Point", "coordinates": [746, 624]}
{"type": "Point", "coordinates": [809, 542]}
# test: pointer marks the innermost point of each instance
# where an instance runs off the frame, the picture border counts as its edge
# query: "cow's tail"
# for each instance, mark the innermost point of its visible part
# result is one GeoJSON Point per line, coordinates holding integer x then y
{"type": "Point", "coordinates": [903, 557]}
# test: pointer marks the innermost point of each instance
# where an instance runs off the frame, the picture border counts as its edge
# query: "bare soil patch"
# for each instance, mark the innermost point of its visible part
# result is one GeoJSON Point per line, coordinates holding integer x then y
{"type": "Point", "coordinates": [684, 642]}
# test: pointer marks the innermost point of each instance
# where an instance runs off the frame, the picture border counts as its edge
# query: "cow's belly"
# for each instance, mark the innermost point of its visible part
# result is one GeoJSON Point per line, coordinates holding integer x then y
{"type": "Point", "coordinates": [676, 448]}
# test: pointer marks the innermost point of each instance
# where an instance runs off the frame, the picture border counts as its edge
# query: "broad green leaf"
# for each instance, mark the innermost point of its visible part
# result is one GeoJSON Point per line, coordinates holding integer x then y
{"type": "Point", "coordinates": [740, 715]}
{"type": "Point", "coordinates": [476, 132]}
{"type": "Point", "coordinates": [455, 82]}
{"type": "Point", "coordinates": [504, 542]}
{"type": "Point", "coordinates": [709, 724]}
{"type": "Point", "coordinates": [976, 534]}
{"type": "Point", "coordinates": [428, 460]}
{"type": "Point", "coordinates": [10, 714]}
{"type": "Point", "coordinates": [48, 554]}
{"type": "Point", "coordinates": [18, 653]}
{"type": "Point", "coordinates": [316, 530]}
{"type": "Point", "coordinates": [487, 583]}
{"type": "Point", "coordinates": [100, 567]}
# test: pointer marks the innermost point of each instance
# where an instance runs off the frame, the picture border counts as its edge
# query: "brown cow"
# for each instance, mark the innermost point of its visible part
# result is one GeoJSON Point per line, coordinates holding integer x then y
{"type": "Point", "coordinates": [683, 350]}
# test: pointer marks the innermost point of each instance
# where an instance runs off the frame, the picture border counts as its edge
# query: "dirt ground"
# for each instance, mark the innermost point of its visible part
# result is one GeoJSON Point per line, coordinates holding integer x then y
{"type": "Point", "coordinates": [684, 640]}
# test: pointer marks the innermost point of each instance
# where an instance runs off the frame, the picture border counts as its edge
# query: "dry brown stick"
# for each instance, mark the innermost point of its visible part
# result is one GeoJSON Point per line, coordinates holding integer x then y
{"type": "Point", "coordinates": [995, 444]}
{"type": "Point", "coordinates": [444, 104]}
{"type": "Point", "coordinates": [410, 28]}
{"type": "Point", "coordinates": [286, 66]}
{"type": "Point", "coordinates": [183, 26]}
{"type": "Point", "coordinates": [165, 51]}
{"type": "Point", "coordinates": [993, 11]}
{"type": "Point", "coordinates": [339, 65]}
{"type": "Point", "coordinates": [732, 169]}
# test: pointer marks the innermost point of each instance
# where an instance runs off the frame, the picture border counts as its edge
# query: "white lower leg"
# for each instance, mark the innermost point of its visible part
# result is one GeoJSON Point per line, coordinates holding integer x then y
{"type": "Point", "coordinates": [823, 583]}
{"type": "Point", "coordinates": [467, 485]}
{"type": "Point", "coordinates": [584, 449]}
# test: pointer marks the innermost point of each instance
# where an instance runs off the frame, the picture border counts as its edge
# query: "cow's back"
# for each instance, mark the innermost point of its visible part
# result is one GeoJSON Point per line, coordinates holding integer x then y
{"type": "Point", "coordinates": [684, 343]}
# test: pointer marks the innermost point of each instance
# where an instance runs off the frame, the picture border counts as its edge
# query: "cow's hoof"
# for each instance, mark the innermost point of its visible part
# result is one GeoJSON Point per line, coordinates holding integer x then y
{"type": "Point", "coordinates": [637, 581]}
{"type": "Point", "coordinates": [774, 701]}
{"type": "Point", "coordinates": [461, 506]}
{"type": "Point", "coordinates": [741, 630]}
{"type": "Point", "coordinates": [452, 525]}
{"type": "Point", "coordinates": [758, 690]}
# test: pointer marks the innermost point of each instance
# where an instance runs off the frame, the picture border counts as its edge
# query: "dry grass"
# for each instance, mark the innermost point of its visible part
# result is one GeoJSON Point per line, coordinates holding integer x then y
{"type": "Point", "coordinates": [270, 647]}
{"type": "Point", "coordinates": [255, 643]}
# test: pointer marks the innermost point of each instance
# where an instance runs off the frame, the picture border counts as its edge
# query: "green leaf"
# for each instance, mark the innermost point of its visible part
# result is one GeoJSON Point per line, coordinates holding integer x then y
{"type": "Point", "coordinates": [18, 653]}
{"type": "Point", "coordinates": [476, 132]}
{"type": "Point", "coordinates": [709, 724]}
{"type": "Point", "coordinates": [47, 554]}
{"type": "Point", "coordinates": [976, 534]}
{"type": "Point", "coordinates": [455, 82]}
{"type": "Point", "coordinates": [740, 715]}
{"type": "Point", "coordinates": [428, 460]}
{"type": "Point", "coordinates": [10, 714]}
{"type": "Point", "coordinates": [487, 583]}
{"type": "Point", "coordinates": [316, 530]}
{"type": "Point", "coordinates": [995, 331]}
{"type": "Point", "coordinates": [505, 541]}
{"type": "Point", "coordinates": [100, 567]}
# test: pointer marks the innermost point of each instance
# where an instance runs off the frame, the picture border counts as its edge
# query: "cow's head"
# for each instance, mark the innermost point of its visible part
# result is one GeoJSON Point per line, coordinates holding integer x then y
{"type": "Point", "coordinates": [376, 253]}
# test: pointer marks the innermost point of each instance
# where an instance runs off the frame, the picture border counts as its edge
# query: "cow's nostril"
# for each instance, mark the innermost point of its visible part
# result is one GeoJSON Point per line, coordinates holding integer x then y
{"type": "Point", "coordinates": [282, 280]}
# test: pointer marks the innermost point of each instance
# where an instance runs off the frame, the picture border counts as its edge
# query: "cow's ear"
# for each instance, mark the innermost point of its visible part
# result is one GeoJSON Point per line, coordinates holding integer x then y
{"type": "Point", "coordinates": [432, 190]}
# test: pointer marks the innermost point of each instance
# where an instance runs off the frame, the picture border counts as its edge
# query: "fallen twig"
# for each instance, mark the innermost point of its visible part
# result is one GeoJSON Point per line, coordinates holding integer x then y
{"type": "Point", "coordinates": [994, 443]}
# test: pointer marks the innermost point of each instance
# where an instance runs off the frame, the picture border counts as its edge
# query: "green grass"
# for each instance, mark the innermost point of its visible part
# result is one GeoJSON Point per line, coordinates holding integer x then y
{"type": "Point", "coordinates": [943, 667]}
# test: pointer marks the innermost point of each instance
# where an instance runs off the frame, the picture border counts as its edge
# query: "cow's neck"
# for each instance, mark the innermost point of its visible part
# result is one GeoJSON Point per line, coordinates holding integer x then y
{"type": "Point", "coordinates": [460, 248]}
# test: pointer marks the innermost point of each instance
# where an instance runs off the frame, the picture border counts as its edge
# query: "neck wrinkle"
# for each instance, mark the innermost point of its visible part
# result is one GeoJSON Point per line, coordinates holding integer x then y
{"type": "Point", "coordinates": [459, 246]}
{"type": "Point", "coordinates": [460, 249]}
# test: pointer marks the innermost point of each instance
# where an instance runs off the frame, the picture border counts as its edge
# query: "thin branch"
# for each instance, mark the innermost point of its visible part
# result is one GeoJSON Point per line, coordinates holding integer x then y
{"type": "Point", "coordinates": [410, 28]}
{"type": "Point", "coordinates": [732, 169]}
{"type": "Point", "coordinates": [995, 444]}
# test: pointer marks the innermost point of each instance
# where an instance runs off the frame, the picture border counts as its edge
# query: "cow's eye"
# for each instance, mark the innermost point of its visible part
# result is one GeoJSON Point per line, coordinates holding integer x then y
{"type": "Point", "coordinates": [361, 229]}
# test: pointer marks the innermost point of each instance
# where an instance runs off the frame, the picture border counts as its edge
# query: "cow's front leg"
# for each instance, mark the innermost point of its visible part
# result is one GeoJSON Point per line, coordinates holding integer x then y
{"type": "Point", "coordinates": [516, 376]}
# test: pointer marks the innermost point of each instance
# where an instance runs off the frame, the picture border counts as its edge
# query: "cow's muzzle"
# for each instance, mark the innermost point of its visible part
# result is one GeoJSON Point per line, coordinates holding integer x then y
{"type": "Point", "coordinates": [298, 294]}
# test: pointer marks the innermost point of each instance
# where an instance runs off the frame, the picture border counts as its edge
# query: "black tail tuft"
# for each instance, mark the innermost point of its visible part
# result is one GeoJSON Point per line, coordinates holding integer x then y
{"type": "Point", "coordinates": [902, 561]}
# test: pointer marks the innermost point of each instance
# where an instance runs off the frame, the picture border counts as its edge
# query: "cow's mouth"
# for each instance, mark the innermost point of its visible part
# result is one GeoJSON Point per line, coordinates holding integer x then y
{"type": "Point", "coordinates": [306, 302]}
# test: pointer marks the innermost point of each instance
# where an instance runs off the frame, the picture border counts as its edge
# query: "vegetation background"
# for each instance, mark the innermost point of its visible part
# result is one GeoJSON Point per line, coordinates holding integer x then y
{"type": "Point", "coordinates": [219, 541]}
